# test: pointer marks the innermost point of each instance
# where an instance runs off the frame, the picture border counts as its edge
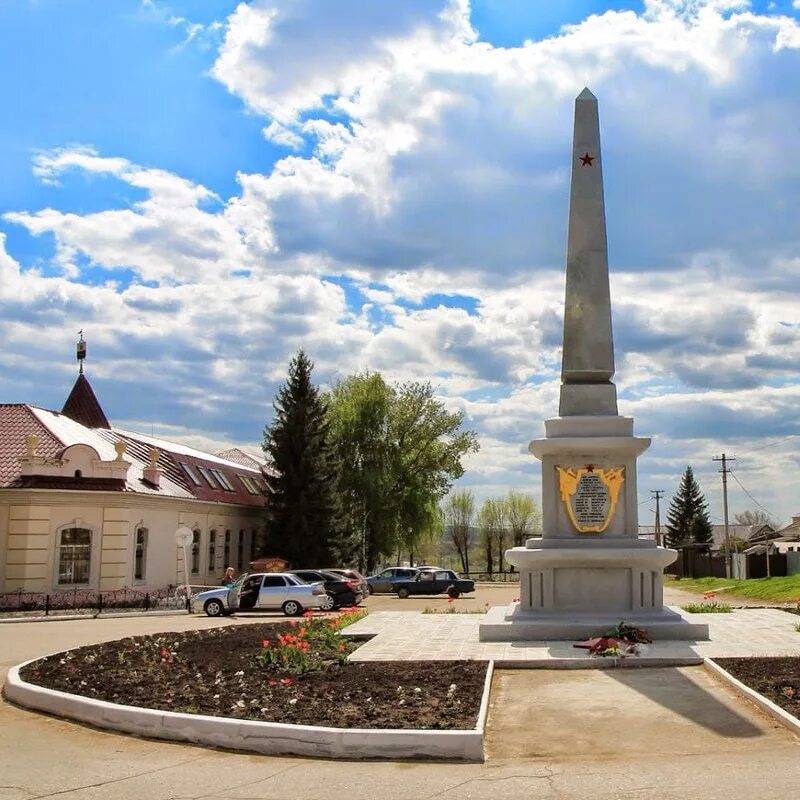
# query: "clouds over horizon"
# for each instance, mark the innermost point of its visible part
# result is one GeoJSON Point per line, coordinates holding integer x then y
{"type": "Point", "coordinates": [414, 222]}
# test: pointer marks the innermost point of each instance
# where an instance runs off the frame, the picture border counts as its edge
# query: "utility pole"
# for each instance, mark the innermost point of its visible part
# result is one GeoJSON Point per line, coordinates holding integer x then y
{"type": "Point", "coordinates": [657, 494]}
{"type": "Point", "coordinates": [725, 470]}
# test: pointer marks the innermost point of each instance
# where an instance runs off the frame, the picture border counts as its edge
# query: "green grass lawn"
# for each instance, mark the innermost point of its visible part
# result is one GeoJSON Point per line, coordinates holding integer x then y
{"type": "Point", "coordinates": [777, 589]}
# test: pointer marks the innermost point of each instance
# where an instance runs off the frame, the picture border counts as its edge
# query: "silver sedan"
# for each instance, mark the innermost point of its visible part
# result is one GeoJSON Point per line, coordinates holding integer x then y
{"type": "Point", "coordinates": [261, 591]}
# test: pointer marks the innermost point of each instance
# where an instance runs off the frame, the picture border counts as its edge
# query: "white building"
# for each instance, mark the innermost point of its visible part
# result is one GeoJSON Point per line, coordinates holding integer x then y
{"type": "Point", "coordinates": [85, 505]}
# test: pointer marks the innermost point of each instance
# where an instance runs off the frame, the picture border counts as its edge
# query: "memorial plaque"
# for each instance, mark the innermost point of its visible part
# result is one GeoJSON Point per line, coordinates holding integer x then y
{"type": "Point", "coordinates": [590, 495]}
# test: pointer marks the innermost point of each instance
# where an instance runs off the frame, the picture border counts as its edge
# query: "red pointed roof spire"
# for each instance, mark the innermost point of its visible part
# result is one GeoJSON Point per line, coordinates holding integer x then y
{"type": "Point", "coordinates": [82, 404]}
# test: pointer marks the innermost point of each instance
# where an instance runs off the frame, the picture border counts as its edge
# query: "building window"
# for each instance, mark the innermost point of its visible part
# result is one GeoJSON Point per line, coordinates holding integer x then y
{"type": "Point", "coordinates": [240, 551]}
{"type": "Point", "coordinates": [190, 473]}
{"type": "Point", "coordinates": [209, 477]}
{"type": "Point", "coordinates": [212, 551]}
{"type": "Point", "coordinates": [249, 484]}
{"type": "Point", "coordinates": [139, 554]}
{"type": "Point", "coordinates": [227, 558]}
{"type": "Point", "coordinates": [74, 555]}
{"type": "Point", "coordinates": [223, 481]}
{"type": "Point", "coordinates": [195, 552]}
{"type": "Point", "coordinates": [253, 535]}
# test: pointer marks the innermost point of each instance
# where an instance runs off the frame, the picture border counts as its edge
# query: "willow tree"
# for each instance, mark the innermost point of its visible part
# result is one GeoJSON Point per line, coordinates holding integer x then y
{"type": "Point", "coordinates": [459, 514]}
{"type": "Point", "coordinates": [399, 451]}
{"type": "Point", "coordinates": [522, 516]}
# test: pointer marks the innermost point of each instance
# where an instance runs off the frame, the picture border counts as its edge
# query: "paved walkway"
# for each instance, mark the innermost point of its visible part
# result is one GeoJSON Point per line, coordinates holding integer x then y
{"type": "Point", "coordinates": [668, 734]}
{"type": "Point", "coordinates": [417, 636]}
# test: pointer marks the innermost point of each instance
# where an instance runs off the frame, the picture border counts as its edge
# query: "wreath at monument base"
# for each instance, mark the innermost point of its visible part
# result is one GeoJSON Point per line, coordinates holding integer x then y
{"type": "Point", "coordinates": [620, 641]}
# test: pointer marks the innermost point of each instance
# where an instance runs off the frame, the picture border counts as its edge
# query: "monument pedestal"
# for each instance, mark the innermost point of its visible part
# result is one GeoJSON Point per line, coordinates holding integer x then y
{"type": "Point", "coordinates": [578, 583]}
{"type": "Point", "coordinates": [512, 624]}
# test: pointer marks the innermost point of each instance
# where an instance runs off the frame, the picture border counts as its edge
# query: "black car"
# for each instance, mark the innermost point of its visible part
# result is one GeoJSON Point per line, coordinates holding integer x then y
{"type": "Point", "coordinates": [341, 591]}
{"type": "Point", "coordinates": [434, 581]}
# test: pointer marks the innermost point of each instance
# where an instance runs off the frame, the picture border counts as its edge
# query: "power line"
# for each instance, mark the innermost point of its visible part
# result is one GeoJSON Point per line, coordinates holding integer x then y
{"type": "Point", "coordinates": [733, 475]}
{"type": "Point", "coordinates": [772, 444]}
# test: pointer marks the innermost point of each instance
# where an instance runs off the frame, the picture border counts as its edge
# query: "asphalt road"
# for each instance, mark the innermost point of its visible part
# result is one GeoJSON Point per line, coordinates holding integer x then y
{"type": "Point", "coordinates": [605, 735]}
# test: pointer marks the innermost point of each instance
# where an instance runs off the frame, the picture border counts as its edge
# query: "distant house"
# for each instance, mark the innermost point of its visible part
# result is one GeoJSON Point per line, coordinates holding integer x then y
{"type": "Point", "coordinates": [750, 534]}
{"type": "Point", "coordinates": [788, 537]}
{"type": "Point", "coordinates": [84, 504]}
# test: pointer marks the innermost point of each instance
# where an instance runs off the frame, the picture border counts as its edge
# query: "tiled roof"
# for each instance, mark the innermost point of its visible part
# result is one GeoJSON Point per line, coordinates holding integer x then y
{"type": "Point", "coordinates": [17, 421]}
{"type": "Point", "coordinates": [57, 431]}
{"type": "Point", "coordinates": [82, 405]}
{"type": "Point", "coordinates": [241, 457]}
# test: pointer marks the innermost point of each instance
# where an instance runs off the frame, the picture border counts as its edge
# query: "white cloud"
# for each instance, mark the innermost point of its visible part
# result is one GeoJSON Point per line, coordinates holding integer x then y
{"type": "Point", "coordinates": [426, 161]}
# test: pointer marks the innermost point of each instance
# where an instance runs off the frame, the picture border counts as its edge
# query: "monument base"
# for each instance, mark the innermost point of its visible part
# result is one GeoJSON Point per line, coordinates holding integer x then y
{"type": "Point", "coordinates": [513, 624]}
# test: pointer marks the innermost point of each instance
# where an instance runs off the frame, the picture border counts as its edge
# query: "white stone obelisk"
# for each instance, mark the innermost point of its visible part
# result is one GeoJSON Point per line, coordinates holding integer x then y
{"type": "Point", "coordinates": [589, 569]}
{"type": "Point", "coordinates": [587, 364]}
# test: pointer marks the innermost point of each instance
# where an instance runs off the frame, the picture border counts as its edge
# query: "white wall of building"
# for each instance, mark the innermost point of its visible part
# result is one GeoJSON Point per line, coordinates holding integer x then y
{"type": "Point", "coordinates": [31, 522]}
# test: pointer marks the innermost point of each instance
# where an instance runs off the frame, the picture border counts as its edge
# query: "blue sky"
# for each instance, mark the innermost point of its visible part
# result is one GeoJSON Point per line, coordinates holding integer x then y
{"type": "Point", "coordinates": [206, 187]}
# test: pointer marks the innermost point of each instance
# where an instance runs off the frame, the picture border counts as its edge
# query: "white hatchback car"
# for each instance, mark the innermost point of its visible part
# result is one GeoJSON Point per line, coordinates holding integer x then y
{"type": "Point", "coordinates": [261, 591]}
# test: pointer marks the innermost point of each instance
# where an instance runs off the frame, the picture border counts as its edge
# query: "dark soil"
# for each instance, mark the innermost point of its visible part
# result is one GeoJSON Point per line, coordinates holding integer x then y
{"type": "Point", "coordinates": [777, 679]}
{"type": "Point", "coordinates": [216, 672]}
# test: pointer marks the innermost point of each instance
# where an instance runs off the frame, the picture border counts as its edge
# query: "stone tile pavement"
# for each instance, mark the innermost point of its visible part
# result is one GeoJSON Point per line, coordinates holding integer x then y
{"type": "Point", "coordinates": [414, 636]}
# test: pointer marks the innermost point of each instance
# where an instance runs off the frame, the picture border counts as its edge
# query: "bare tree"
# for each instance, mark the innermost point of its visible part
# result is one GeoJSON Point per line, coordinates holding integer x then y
{"type": "Point", "coordinates": [490, 528]}
{"type": "Point", "coordinates": [459, 513]}
{"type": "Point", "coordinates": [755, 517]}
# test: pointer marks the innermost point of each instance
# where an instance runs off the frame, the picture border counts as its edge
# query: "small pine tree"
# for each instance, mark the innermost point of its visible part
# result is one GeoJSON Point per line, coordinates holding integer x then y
{"type": "Point", "coordinates": [687, 517]}
{"type": "Point", "coordinates": [303, 519]}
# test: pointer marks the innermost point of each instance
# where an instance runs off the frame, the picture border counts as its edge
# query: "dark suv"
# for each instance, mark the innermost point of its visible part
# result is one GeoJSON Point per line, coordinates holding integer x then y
{"type": "Point", "coordinates": [341, 591]}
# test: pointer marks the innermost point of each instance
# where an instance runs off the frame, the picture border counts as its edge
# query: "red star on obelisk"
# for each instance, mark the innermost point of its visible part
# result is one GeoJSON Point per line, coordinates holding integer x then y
{"type": "Point", "coordinates": [586, 160]}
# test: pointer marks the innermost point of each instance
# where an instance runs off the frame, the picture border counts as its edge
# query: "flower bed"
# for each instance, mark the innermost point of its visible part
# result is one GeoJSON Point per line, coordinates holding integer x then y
{"type": "Point", "coordinates": [231, 672]}
{"type": "Point", "coordinates": [777, 678]}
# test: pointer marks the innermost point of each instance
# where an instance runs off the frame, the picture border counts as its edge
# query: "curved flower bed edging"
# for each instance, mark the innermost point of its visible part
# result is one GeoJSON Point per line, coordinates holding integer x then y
{"type": "Point", "coordinates": [270, 738]}
{"type": "Point", "coordinates": [762, 702]}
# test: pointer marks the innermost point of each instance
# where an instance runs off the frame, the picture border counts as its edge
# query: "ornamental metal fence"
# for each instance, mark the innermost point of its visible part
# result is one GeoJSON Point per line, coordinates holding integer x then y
{"type": "Point", "coordinates": [87, 601]}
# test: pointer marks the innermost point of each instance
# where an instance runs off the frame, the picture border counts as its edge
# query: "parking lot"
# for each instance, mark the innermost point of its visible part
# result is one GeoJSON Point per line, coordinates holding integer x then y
{"type": "Point", "coordinates": [485, 594]}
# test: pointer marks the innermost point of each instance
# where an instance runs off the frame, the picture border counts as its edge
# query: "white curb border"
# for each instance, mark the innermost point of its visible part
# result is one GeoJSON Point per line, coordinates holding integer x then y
{"type": "Point", "coordinates": [762, 702]}
{"type": "Point", "coordinates": [271, 738]}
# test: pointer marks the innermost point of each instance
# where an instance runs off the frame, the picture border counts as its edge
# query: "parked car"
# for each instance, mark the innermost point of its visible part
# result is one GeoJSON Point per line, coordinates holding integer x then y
{"type": "Point", "coordinates": [352, 575]}
{"type": "Point", "coordinates": [384, 581]}
{"type": "Point", "coordinates": [259, 591]}
{"type": "Point", "coordinates": [434, 581]}
{"type": "Point", "coordinates": [340, 591]}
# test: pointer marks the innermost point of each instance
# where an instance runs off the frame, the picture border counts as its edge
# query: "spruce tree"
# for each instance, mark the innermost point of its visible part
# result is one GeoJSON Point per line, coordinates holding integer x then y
{"type": "Point", "coordinates": [687, 517]}
{"type": "Point", "coordinates": [302, 513]}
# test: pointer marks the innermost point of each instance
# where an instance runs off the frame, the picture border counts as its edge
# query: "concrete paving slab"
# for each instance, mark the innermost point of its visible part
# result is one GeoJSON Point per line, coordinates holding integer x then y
{"type": "Point", "coordinates": [45, 757]}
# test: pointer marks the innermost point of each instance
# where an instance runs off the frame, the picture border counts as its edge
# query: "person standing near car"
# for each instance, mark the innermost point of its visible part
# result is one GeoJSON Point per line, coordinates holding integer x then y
{"type": "Point", "coordinates": [229, 578]}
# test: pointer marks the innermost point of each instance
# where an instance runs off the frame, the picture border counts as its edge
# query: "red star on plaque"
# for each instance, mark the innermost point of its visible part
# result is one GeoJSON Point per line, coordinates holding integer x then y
{"type": "Point", "coordinates": [586, 160]}
{"type": "Point", "coordinates": [590, 467]}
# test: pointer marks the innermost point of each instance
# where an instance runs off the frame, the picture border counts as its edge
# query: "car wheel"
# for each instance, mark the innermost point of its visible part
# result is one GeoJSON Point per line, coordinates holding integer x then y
{"type": "Point", "coordinates": [370, 590]}
{"type": "Point", "coordinates": [292, 608]}
{"type": "Point", "coordinates": [214, 608]}
{"type": "Point", "coordinates": [403, 593]}
{"type": "Point", "coordinates": [454, 593]}
{"type": "Point", "coordinates": [328, 603]}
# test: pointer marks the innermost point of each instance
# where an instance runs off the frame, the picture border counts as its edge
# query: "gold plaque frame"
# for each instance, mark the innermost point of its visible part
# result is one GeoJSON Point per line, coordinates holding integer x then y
{"type": "Point", "coordinates": [568, 480]}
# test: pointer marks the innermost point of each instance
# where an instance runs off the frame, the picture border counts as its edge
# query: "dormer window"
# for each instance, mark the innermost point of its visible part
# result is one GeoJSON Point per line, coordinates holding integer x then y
{"type": "Point", "coordinates": [210, 480]}
{"type": "Point", "coordinates": [222, 479]}
{"type": "Point", "coordinates": [249, 484]}
{"type": "Point", "coordinates": [190, 473]}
